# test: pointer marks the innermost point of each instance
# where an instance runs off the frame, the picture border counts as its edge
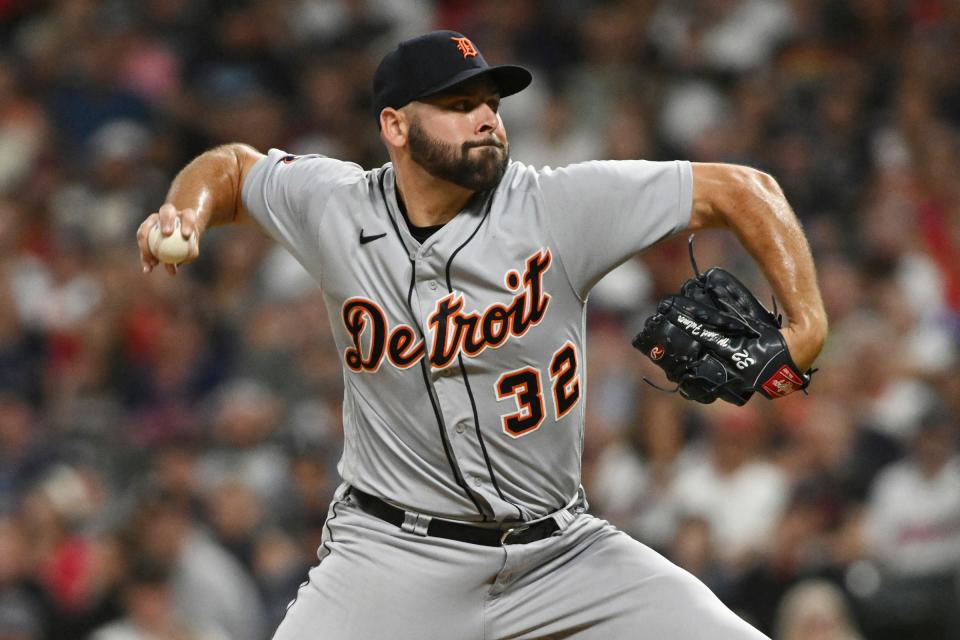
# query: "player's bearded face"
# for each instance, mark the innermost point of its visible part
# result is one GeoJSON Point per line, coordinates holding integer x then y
{"type": "Point", "coordinates": [475, 165]}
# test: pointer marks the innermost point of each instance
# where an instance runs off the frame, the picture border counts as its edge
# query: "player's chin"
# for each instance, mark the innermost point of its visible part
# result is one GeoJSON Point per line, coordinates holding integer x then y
{"type": "Point", "coordinates": [487, 173]}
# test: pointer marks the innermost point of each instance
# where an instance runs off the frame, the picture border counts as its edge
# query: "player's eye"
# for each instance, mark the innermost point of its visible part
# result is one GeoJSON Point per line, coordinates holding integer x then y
{"type": "Point", "coordinates": [461, 105]}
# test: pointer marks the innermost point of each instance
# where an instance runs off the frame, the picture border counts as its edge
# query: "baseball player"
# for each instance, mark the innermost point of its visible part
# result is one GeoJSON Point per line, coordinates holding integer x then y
{"type": "Point", "coordinates": [456, 283]}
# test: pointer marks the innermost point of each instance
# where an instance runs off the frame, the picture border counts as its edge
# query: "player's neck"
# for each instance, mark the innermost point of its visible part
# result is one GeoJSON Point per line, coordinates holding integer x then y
{"type": "Point", "coordinates": [429, 200]}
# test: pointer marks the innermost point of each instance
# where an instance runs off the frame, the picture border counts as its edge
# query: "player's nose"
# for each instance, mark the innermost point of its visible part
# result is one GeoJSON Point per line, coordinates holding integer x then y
{"type": "Point", "coordinates": [487, 120]}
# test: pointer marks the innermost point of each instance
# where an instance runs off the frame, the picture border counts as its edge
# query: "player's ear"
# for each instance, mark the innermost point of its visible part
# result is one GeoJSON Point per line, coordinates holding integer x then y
{"type": "Point", "coordinates": [393, 127]}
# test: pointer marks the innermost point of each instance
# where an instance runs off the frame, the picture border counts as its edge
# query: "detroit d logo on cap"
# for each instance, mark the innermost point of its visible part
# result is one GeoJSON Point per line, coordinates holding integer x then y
{"type": "Point", "coordinates": [465, 47]}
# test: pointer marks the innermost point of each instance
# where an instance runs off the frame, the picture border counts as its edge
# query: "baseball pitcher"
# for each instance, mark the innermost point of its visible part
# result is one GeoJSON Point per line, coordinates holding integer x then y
{"type": "Point", "coordinates": [456, 282]}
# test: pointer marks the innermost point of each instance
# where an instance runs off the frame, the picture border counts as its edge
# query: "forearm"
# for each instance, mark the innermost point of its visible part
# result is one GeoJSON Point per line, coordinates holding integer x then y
{"type": "Point", "coordinates": [205, 193]}
{"type": "Point", "coordinates": [752, 205]}
{"type": "Point", "coordinates": [210, 186]}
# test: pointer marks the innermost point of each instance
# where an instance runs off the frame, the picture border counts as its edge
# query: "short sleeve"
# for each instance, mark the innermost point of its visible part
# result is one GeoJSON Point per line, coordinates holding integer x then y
{"type": "Point", "coordinates": [287, 196]}
{"type": "Point", "coordinates": [602, 212]}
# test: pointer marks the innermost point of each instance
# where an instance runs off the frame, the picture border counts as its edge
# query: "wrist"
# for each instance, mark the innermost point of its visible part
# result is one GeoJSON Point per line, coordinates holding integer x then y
{"type": "Point", "coordinates": [804, 341]}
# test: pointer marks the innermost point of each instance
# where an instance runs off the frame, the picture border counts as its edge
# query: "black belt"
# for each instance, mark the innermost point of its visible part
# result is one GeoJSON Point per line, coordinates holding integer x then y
{"type": "Point", "coordinates": [517, 534]}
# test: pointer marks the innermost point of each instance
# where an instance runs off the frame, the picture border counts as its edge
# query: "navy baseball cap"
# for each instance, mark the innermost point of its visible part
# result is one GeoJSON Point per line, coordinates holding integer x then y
{"type": "Point", "coordinates": [430, 63]}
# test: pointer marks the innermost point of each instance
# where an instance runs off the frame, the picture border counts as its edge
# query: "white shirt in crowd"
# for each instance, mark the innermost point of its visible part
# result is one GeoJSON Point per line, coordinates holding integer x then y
{"type": "Point", "coordinates": [913, 522]}
{"type": "Point", "coordinates": [742, 507]}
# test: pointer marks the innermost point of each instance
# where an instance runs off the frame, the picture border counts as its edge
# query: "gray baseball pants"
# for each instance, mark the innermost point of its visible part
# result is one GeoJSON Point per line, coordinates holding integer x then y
{"type": "Point", "coordinates": [589, 580]}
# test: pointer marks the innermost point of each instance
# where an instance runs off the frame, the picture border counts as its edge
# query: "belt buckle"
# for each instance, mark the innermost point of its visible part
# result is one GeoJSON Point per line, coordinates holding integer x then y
{"type": "Point", "coordinates": [509, 532]}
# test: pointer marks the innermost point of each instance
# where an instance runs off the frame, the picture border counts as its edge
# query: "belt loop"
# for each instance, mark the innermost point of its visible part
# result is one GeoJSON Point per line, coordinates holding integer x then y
{"type": "Point", "coordinates": [564, 518]}
{"type": "Point", "coordinates": [415, 523]}
{"type": "Point", "coordinates": [574, 508]}
{"type": "Point", "coordinates": [582, 503]}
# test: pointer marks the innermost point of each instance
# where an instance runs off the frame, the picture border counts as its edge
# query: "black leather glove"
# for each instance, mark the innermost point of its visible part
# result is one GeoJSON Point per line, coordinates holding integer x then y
{"type": "Point", "coordinates": [716, 340]}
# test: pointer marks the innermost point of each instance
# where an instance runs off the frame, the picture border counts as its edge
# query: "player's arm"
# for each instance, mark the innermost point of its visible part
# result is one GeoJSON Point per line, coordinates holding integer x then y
{"type": "Point", "coordinates": [205, 193]}
{"type": "Point", "coordinates": [751, 204]}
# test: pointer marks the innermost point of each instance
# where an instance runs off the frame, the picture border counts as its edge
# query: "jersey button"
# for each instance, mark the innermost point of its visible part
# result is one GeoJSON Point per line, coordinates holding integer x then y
{"type": "Point", "coordinates": [477, 481]}
{"type": "Point", "coordinates": [460, 427]}
{"type": "Point", "coordinates": [433, 285]}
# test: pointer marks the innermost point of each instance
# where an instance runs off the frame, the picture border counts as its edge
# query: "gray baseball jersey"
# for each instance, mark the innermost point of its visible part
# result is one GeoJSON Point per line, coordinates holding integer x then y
{"type": "Point", "coordinates": [463, 362]}
{"type": "Point", "coordinates": [463, 356]}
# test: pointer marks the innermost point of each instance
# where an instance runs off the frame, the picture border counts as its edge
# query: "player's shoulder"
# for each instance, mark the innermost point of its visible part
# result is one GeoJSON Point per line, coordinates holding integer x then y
{"type": "Point", "coordinates": [584, 171]}
{"type": "Point", "coordinates": [520, 176]}
{"type": "Point", "coordinates": [517, 175]}
{"type": "Point", "coordinates": [330, 170]}
{"type": "Point", "coordinates": [517, 169]}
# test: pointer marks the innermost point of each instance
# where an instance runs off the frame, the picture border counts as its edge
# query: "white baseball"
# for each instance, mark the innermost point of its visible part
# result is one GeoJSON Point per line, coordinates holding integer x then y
{"type": "Point", "coordinates": [172, 249]}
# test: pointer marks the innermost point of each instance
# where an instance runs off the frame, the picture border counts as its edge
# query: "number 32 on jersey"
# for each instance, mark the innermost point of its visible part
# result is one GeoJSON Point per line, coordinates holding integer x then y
{"type": "Point", "coordinates": [524, 385]}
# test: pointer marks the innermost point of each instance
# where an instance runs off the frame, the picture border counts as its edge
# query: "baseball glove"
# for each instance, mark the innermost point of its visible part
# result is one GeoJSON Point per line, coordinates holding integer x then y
{"type": "Point", "coordinates": [716, 340]}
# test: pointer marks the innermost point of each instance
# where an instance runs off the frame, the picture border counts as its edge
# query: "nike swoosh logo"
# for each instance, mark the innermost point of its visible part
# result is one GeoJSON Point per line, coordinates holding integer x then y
{"type": "Point", "coordinates": [365, 239]}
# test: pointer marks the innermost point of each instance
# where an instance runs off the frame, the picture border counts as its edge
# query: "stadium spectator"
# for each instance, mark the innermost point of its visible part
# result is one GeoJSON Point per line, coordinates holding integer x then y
{"type": "Point", "coordinates": [912, 530]}
{"type": "Point", "coordinates": [738, 493]}
{"type": "Point", "coordinates": [815, 610]}
{"type": "Point", "coordinates": [150, 610]}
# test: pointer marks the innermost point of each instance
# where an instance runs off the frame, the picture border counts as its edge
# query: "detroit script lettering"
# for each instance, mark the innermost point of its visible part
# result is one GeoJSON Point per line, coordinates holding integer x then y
{"type": "Point", "coordinates": [453, 330]}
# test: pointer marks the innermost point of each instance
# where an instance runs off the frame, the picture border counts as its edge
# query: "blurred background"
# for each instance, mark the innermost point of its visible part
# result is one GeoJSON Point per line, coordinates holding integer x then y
{"type": "Point", "coordinates": [168, 445]}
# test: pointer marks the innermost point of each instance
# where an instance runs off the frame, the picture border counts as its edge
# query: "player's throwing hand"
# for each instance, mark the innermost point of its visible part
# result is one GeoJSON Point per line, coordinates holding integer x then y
{"type": "Point", "coordinates": [169, 236]}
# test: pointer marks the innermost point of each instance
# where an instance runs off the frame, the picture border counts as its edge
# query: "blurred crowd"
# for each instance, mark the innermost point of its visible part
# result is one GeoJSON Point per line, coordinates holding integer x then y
{"type": "Point", "coordinates": [168, 446]}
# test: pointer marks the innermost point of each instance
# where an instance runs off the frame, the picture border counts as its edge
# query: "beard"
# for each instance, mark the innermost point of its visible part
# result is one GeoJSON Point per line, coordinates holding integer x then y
{"type": "Point", "coordinates": [481, 172]}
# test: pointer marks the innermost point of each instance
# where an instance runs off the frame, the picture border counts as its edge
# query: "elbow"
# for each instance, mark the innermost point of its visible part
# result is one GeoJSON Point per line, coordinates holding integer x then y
{"type": "Point", "coordinates": [729, 195]}
{"type": "Point", "coordinates": [241, 151]}
{"type": "Point", "coordinates": [236, 159]}
{"type": "Point", "coordinates": [754, 183]}
{"type": "Point", "coordinates": [757, 196]}
{"type": "Point", "coordinates": [230, 152]}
